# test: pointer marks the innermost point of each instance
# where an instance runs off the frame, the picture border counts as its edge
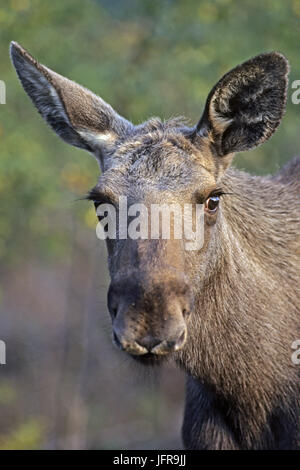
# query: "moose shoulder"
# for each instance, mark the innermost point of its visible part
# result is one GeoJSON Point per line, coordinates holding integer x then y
{"type": "Point", "coordinates": [227, 312]}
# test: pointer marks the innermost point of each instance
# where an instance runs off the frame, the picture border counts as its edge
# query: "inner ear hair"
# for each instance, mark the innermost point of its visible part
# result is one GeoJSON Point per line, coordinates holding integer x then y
{"type": "Point", "coordinates": [246, 106]}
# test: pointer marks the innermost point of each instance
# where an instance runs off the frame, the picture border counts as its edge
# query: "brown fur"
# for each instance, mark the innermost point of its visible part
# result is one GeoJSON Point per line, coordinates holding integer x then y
{"type": "Point", "coordinates": [227, 313]}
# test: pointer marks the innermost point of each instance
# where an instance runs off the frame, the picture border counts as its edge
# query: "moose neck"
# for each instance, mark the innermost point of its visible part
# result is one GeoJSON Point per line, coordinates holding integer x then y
{"type": "Point", "coordinates": [239, 306]}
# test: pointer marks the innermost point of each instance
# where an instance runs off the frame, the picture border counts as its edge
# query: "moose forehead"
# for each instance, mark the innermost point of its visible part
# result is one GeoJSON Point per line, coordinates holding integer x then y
{"type": "Point", "coordinates": [164, 160]}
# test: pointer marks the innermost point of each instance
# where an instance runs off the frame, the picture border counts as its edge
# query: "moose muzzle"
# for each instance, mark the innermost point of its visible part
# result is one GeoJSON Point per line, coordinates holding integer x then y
{"type": "Point", "coordinates": [149, 316]}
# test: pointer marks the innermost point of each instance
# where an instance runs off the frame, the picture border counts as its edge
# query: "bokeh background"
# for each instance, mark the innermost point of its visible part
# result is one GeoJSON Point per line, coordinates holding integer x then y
{"type": "Point", "coordinates": [64, 384]}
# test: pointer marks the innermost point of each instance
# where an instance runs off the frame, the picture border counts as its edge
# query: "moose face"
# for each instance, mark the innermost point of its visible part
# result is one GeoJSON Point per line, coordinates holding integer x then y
{"type": "Point", "coordinates": [153, 278]}
{"type": "Point", "coordinates": [150, 296]}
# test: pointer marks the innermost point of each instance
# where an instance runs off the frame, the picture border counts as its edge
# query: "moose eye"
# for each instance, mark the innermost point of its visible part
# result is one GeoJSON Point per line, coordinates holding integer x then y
{"type": "Point", "coordinates": [211, 204]}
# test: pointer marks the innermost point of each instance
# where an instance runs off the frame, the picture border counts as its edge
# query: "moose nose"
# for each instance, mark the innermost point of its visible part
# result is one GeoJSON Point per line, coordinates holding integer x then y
{"type": "Point", "coordinates": [150, 344]}
{"type": "Point", "coordinates": [149, 314]}
{"type": "Point", "coordinates": [156, 346]}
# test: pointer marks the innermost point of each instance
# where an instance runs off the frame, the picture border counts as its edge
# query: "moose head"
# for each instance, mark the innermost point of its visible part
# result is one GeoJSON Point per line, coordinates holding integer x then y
{"type": "Point", "coordinates": [155, 282]}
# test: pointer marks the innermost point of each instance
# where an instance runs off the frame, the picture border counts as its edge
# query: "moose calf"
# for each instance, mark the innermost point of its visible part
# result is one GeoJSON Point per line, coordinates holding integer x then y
{"type": "Point", "coordinates": [228, 312]}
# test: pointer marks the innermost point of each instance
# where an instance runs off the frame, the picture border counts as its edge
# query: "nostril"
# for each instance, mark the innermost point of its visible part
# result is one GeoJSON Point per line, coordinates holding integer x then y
{"type": "Point", "coordinates": [185, 313]}
{"type": "Point", "coordinates": [181, 340]}
{"type": "Point", "coordinates": [181, 337]}
{"type": "Point", "coordinates": [113, 311]}
{"type": "Point", "coordinates": [116, 340]}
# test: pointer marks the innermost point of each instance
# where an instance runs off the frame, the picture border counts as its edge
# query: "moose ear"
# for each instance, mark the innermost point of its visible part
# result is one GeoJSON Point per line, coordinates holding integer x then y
{"type": "Point", "coordinates": [77, 115]}
{"type": "Point", "coordinates": [246, 106]}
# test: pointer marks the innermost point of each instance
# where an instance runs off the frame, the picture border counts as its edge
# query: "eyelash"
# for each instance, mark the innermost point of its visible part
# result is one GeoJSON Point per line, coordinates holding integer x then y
{"type": "Point", "coordinates": [216, 193]}
{"type": "Point", "coordinates": [97, 199]}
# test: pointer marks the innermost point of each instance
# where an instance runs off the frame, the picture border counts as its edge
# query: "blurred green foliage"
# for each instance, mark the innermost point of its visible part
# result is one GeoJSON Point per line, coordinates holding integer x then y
{"type": "Point", "coordinates": [28, 436]}
{"type": "Point", "coordinates": [144, 57]}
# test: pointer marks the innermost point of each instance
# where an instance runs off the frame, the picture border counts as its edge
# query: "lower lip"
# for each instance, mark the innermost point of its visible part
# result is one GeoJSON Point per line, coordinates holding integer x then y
{"type": "Point", "coordinates": [149, 359]}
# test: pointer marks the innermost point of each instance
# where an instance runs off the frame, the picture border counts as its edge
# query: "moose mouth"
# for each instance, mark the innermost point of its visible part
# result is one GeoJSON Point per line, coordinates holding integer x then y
{"type": "Point", "coordinates": [156, 355]}
{"type": "Point", "coordinates": [150, 360]}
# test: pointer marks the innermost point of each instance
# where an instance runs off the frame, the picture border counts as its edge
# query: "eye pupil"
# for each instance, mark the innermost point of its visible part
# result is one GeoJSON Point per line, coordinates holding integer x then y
{"type": "Point", "coordinates": [212, 203]}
